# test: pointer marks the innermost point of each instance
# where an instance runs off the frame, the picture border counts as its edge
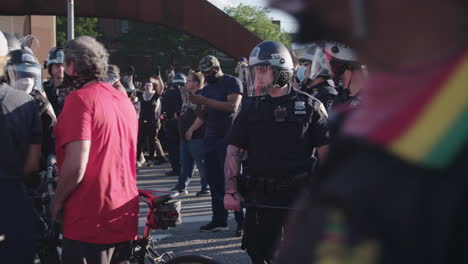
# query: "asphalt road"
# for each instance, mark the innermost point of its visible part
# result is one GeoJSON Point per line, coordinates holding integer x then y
{"type": "Point", "coordinates": [186, 238]}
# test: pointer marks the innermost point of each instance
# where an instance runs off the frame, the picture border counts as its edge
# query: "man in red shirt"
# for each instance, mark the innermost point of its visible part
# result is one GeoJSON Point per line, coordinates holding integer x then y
{"type": "Point", "coordinates": [96, 149]}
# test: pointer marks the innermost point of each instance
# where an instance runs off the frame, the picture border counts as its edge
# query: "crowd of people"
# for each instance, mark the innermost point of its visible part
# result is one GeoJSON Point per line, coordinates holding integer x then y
{"type": "Point", "coordinates": [321, 161]}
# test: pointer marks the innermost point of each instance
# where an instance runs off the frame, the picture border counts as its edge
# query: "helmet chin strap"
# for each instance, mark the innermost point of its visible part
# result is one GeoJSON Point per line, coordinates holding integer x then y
{"type": "Point", "coordinates": [360, 27]}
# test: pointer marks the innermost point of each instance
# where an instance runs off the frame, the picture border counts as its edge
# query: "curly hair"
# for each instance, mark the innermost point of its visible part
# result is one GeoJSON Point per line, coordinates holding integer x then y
{"type": "Point", "coordinates": [89, 56]}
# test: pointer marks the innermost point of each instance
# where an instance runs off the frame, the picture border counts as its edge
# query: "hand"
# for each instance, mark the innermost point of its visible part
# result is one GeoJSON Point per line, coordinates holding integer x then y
{"type": "Point", "coordinates": [56, 210]}
{"type": "Point", "coordinates": [188, 135]}
{"type": "Point", "coordinates": [196, 98]}
{"type": "Point", "coordinates": [232, 201]}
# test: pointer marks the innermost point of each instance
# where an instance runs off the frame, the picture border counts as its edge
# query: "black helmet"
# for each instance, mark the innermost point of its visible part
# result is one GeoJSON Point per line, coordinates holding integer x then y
{"type": "Point", "coordinates": [23, 70]}
{"type": "Point", "coordinates": [269, 55]}
{"type": "Point", "coordinates": [55, 56]}
{"type": "Point", "coordinates": [179, 79]}
{"type": "Point", "coordinates": [13, 43]}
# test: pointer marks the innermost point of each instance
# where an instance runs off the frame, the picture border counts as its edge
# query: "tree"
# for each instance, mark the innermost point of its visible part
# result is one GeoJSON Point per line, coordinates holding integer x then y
{"type": "Point", "coordinates": [83, 26]}
{"type": "Point", "coordinates": [256, 20]}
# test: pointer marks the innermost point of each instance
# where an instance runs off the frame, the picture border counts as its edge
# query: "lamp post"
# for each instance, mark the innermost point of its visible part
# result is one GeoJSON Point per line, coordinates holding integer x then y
{"type": "Point", "coordinates": [71, 20]}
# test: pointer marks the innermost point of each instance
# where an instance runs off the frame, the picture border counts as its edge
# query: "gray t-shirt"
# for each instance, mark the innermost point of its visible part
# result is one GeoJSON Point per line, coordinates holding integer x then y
{"type": "Point", "coordinates": [20, 126]}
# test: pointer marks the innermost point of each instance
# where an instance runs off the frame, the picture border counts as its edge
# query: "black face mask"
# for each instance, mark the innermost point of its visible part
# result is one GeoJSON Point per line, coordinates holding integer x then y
{"type": "Point", "coordinates": [212, 78]}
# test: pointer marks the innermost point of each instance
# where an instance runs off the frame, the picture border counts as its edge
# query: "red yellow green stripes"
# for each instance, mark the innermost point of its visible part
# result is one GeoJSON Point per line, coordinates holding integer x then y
{"type": "Point", "coordinates": [440, 128]}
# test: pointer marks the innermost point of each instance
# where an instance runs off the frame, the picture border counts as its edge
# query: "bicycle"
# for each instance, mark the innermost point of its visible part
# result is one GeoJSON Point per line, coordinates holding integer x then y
{"type": "Point", "coordinates": [48, 233]}
{"type": "Point", "coordinates": [163, 213]}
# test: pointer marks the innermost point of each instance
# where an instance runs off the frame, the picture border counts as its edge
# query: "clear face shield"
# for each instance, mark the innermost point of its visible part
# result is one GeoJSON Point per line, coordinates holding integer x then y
{"type": "Point", "coordinates": [313, 64]}
{"type": "Point", "coordinates": [261, 81]}
{"type": "Point", "coordinates": [26, 77]}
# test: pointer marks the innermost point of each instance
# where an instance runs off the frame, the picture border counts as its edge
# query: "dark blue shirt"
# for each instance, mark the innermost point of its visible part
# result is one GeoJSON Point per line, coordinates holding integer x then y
{"type": "Point", "coordinates": [217, 122]}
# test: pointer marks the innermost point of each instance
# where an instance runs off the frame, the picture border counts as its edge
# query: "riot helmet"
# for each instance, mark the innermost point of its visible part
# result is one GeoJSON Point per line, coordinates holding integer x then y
{"type": "Point", "coordinates": [23, 71]}
{"type": "Point", "coordinates": [55, 56]}
{"type": "Point", "coordinates": [270, 66]}
{"type": "Point", "coordinates": [13, 43]}
{"type": "Point", "coordinates": [179, 79]}
{"type": "Point", "coordinates": [314, 63]}
{"type": "Point", "coordinates": [342, 58]}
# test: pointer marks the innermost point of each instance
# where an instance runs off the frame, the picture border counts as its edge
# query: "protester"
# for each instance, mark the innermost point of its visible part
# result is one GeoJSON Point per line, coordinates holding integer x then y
{"type": "Point", "coordinates": [191, 131]}
{"type": "Point", "coordinates": [96, 149]}
{"type": "Point", "coordinates": [218, 101]}
{"type": "Point", "coordinates": [113, 78]}
{"type": "Point", "coordinates": [20, 152]}
{"type": "Point", "coordinates": [147, 123]}
{"type": "Point", "coordinates": [158, 82]}
{"type": "Point", "coordinates": [394, 186]}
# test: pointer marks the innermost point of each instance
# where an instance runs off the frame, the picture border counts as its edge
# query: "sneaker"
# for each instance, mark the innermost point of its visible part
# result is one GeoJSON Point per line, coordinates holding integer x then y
{"type": "Point", "coordinates": [180, 191]}
{"type": "Point", "coordinates": [172, 173]}
{"type": "Point", "coordinates": [203, 192]}
{"type": "Point", "coordinates": [239, 231]}
{"type": "Point", "coordinates": [213, 227]}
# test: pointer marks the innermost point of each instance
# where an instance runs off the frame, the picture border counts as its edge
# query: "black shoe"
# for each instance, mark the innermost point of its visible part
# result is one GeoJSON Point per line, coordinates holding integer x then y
{"type": "Point", "coordinates": [160, 160]}
{"type": "Point", "coordinates": [239, 231]}
{"type": "Point", "coordinates": [213, 227]}
{"type": "Point", "coordinates": [203, 192]}
{"type": "Point", "coordinates": [172, 173]}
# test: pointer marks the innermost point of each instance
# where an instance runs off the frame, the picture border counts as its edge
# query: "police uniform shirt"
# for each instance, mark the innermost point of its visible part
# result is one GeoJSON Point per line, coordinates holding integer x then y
{"type": "Point", "coordinates": [324, 92]}
{"type": "Point", "coordinates": [280, 133]}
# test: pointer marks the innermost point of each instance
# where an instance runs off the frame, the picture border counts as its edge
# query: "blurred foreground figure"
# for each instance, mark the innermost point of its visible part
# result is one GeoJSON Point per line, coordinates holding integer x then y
{"type": "Point", "coordinates": [394, 187]}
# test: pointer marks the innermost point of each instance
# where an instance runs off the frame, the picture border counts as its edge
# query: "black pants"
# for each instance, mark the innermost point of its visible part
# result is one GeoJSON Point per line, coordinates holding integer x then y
{"type": "Point", "coordinates": [171, 130]}
{"type": "Point", "coordinates": [146, 135]}
{"type": "Point", "coordinates": [16, 224]}
{"type": "Point", "coordinates": [263, 228]}
{"type": "Point", "coordinates": [76, 252]}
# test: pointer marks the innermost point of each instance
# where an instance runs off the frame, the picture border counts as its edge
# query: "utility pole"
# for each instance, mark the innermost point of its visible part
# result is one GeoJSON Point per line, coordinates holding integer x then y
{"type": "Point", "coordinates": [71, 20]}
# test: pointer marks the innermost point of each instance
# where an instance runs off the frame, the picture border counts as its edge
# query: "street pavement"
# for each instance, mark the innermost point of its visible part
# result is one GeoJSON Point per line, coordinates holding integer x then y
{"type": "Point", "coordinates": [186, 238]}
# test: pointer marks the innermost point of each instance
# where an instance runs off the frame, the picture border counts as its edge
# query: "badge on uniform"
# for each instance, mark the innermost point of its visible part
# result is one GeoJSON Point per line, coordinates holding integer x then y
{"type": "Point", "coordinates": [300, 108]}
{"type": "Point", "coordinates": [280, 114]}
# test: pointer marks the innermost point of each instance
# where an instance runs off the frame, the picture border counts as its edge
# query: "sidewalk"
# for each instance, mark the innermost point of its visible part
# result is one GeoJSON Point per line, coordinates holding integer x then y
{"type": "Point", "coordinates": [186, 239]}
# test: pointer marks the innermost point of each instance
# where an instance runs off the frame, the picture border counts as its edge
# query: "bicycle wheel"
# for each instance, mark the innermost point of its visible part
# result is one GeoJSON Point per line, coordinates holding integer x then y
{"type": "Point", "coordinates": [192, 259]}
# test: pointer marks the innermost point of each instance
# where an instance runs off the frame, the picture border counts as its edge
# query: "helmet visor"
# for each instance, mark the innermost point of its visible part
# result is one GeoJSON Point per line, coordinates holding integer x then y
{"type": "Point", "coordinates": [26, 71]}
{"type": "Point", "coordinates": [261, 80]}
{"type": "Point", "coordinates": [319, 65]}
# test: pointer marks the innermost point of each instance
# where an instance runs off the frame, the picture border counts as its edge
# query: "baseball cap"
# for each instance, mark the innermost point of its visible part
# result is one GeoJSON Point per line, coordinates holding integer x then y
{"type": "Point", "coordinates": [207, 63]}
{"type": "Point", "coordinates": [3, 45]}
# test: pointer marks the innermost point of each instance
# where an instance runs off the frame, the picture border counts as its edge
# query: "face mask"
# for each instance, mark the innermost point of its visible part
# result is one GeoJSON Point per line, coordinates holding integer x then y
{"type": "Point", "coordinates": [25, 84]}
{"type": "Point", "coordinates": [301, 73]}
{"type": "Point", "coordinates": [69, 81]}
{"type": "Point", "coordinates": [211, 79]}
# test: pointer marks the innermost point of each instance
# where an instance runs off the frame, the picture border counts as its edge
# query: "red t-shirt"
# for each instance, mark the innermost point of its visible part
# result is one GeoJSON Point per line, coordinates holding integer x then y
{"type": "Point", "coordinates": [104, 207]}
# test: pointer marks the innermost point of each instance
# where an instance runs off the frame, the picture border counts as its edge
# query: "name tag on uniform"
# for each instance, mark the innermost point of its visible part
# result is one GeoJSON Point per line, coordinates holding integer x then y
{"type": "Point", "coordinates": [299, 108]}
{"type": "Point", "coordinates": [280, 114]}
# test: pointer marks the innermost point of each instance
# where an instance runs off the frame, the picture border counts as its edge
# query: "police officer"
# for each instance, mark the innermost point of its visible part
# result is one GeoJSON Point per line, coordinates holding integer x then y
{"type": "Point", "coordinates": [315, 74]}
{"type": "Point", "coordinates": [23, 72]}
{"type": "Point", "coordinates": [347, 73]}
{"type": "Point", "coordinates": [394, 186]}
{"type": "Point", "coordinates": [279, 128]}
{"type": "Point", "coordinates": [171, 103]}
{"type": "Point", "coordinates": [54, 86]}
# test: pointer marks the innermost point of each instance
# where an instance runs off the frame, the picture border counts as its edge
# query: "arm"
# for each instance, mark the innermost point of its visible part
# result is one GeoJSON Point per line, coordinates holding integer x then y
{"type": "Point", "coordinates": [32, 159]}
{"type": "Point", "coordinates": [196, 125]}
{"type": "Point", "coordinates": [71, 173]}
{"type": "Point", "coordinates": [158, 85]}
{"type": "Point", "coordinates": [232, 167]}
{"type": "Point", "coordinates": [230, 106]}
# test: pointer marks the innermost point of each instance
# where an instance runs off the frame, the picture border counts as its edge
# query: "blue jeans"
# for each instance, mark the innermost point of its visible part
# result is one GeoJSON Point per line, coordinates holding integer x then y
{"type": "Point", "coordinates": [192, 152]}
{"type": "Point", "coordinates": [215, 155]}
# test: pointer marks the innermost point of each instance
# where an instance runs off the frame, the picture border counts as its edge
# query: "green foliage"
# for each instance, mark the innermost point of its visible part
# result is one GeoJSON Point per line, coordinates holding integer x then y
{"type": "Point", "coordinates": [83, 26]}
{"type": "Point", "coordinates": [257, 21]}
